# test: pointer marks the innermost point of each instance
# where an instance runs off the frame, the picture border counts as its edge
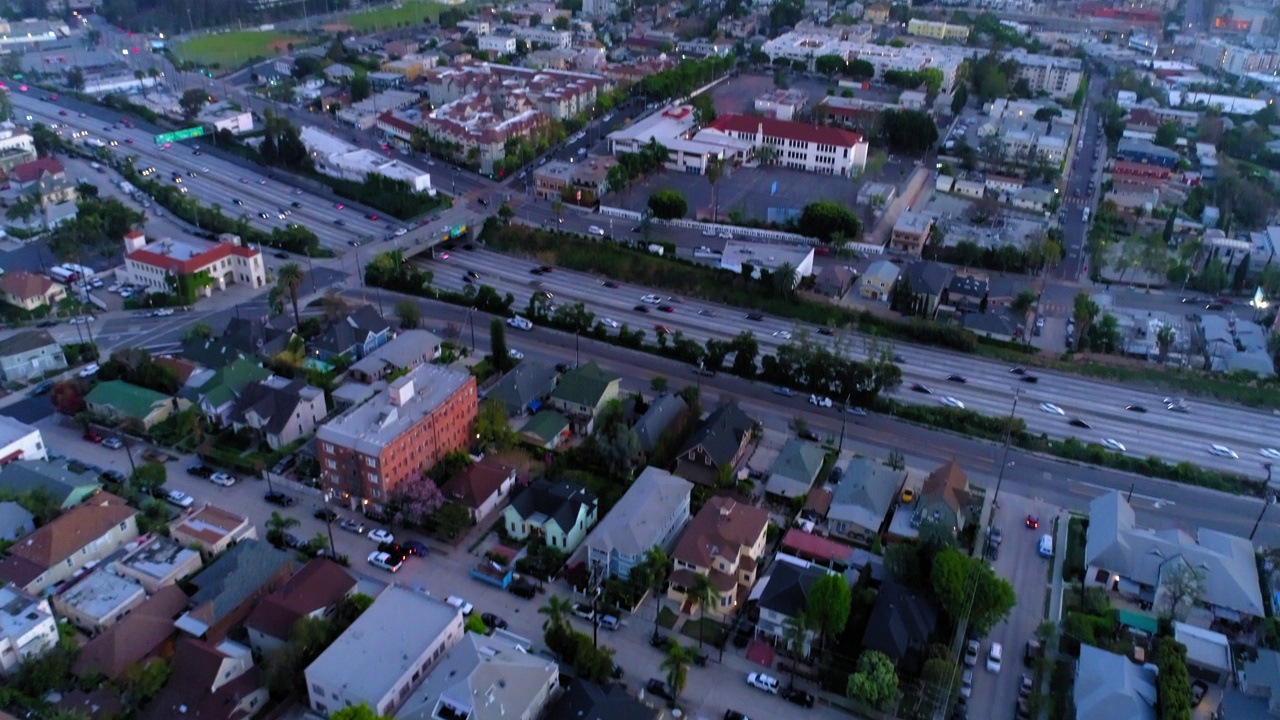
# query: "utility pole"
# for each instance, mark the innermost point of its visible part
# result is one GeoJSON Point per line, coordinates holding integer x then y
{"type": "Point", "coordinates": [844, 419]}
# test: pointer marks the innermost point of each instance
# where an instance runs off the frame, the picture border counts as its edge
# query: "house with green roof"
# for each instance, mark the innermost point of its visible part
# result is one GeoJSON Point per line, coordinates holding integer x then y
{"type": "Point", "coordinates": [547, 429]}
{"type": "Point", "coordinates": [217, 397]}
{"type": "Point", "coordinates": [796, 468]}
{"type": "Point", "coordinates": [67, 483]}
{"type": "Point", "coordinates": [120, 401]}
{"type": "Point", "coordinates": [582, 393]}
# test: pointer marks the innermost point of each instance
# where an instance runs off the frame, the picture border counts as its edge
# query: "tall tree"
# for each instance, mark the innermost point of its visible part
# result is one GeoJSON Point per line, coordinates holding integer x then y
{"type": "Point", "coordinates": [498, 345]}
{"type": "Point", "coordinates": [828, 605]}
{"type": "Point", "coordinates": [676, 664]}
{"type": "Point", "coordinates": [795, 637]}
{"type": "Point", "coordinates": [715, 167]}
{"type": "Point", "coordinates": [875, 682]}
{"type": "Point", "coordinates": [556, 611]}
{"type": "Point", "coordinates": [1241, 275]}
{"type": "Point", "coordinates": [289, 277]}
{"type": "Point", "coordinates": [409, 313]}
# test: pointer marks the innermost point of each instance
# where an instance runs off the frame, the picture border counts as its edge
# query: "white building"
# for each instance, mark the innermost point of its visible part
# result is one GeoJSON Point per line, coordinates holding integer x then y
{"type": "Point", "coordinates": [227, 262]}
{"type": "Point", "coordinates": [486, 677]}
{"type": "Point", "coordinates": [233, 121]}
{"type": "Point", "coordinates": [364, 114]}
{"type": "Point", "coordinates": [807, 46]}
{"type": "Point", "coordinates": [738, 254]}
{"type": "Point", "coordinates": [339, 158]}
{"type": "Point", "coordinates": [814, 148]}
{"type": "Point", "coordinates": [545, 36]}
{"type": "Point", "coordinates": [1230, 104]}
{"type": "Point", "coordinates": [498, 44]}
{"type": "Point", "coordinates": [20, 441]}
{"type": "Point", "coordinates": [16, 146]}
{"type": "Point", "coordinates": [98, 600]}
{"type": "Point", "coordinates": [1058, 76]}
{"type": "Point", "coordinates": [27, 628]}
{"type": "Point", "coordinates": [385, 653]}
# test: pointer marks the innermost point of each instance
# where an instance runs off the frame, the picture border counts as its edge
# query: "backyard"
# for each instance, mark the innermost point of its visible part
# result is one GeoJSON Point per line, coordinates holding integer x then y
{"type": "Point", "coordinates": [232, 49]}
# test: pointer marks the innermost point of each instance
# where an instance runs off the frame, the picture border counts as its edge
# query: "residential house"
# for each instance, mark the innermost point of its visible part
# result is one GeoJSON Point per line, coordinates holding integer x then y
{"type": "Point", "coordinates": [57, 551]}
{"type": "Point", "coordinates": [228, 589]}
{"type": "Point", "coordinates": [664, 414]}
{"type": "Point", "coordinates": [353, 336]}
{"type": "Point", "coordinates": [97, 599]}
{"type": "Point", "coordinates": [877, 283]}
{"type": "Point", "coordinates": [901, 625]}
{"type": "Point", "coordinates": [45, 179]}
{"type": "Point", "coordinates": [1136, 562]}
{"type": "Point", "coordinates": [649, 515]}
{"type": "Point", "coordinates": [834, 281]}
{"type": "Point", "coordinates": [486, 677]}
{"type": "Point", "coordinates": [585, 700]}
{"type": "Point", "coordinates": [212, 530]}
{"type": "Point", "coordinates": [860, 504]}
{"type": "Point", "coordinates": [217, 396]}
{"type": "Point", "coordinates": [582, 393]}
{"type": "Point", "coordinates": [795, 469]}
{"type": "Point", "coordinates": [1111, 685]}
{"type": "Point", "coordinates": [910, 232]}
{"type": "Point", "coordinates": [20, 441]}
{"type": "Point", "coordinates": [103, 703]}
{"type": "Point", "coordinates": [67, 486]}
{"type": "Point", "coordinates": [718, 447]}
{"type": "Point", "coordinates": [15, 521]}
{"type": "Point", "coordinates": [211, 352]}
{"type": "Point", "coordinates": [996, 324]}
{"type": "Point", "coordinates": [928, 280]}
{"type": "Point", "coordinates": [967, 292]}
{"type": "Point", "coordinates": [1209, 654]}
{"type": "Point", "coordinates": [28, 292]}
{"type": "Point", "coordinates": [817, 549]}
{"type": "Point", "coordinates": [782, 596]}
{"type": "Point", "coordinates": [524, 388]}
{"type": "Point", "coordinates": [558, 513]}
{"type": "Point", "coordinates": [210, 681]}
{"type": "Point", "coordinates": [158, 562]}
{"type": "Point", "coordinates": [480, 487]}
{"type": "Point", "coordinates": [27, 627]}
{"type": "Point", "coordinates": [405, 352]}
{"type": "Point", "coordinates": [255, 337]}
{"type": "Point", "coordinates": [381, 657]}
{"type": "Point", "coordinates": [944, 498]}
{"type": "Point", "coordinates": [30, 355]}
{"type": "Point", "coordinates": [724, 541]}
{"type": "Point", "coordinates": [314, 592]}
{"type": "Point", "coordinates": [119, 402]}
{"type": "Point", "coordinates": [548, 429]}
{"type": "Point", "coordinates": [278, 410]}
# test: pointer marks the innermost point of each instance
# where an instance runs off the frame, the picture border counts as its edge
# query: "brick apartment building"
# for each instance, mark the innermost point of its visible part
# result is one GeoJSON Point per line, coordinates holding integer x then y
{"type": "Point", "coordinates": [370, 449]}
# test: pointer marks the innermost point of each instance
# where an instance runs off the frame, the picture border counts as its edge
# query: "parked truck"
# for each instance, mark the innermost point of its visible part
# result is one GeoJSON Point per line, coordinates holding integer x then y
{"type": "Point", "coordinates": [494, 574]}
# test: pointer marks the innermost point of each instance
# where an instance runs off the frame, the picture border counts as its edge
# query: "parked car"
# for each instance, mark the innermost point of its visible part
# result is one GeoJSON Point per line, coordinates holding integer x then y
{"type": "Point", "coordinates": [381, 536]}
{"type": "Point", "coordinates": [350, 525]}
{"type": "Point", "coordinates": [93, 436]}
{"type": "Point", "coordinates": [42, 388]}
{"type": "Point", "coordinates": [113, 443]}
{"type": "Point", "coordinates": [466, 607]}
{"type": "Point", "coordinates": [200, 471]}
{"type": "Point", "coordinates": [793, 694]}
{"type": "Point", "coordinates": [658, 688]}
{"type": "Point", "coordinates": [493, 622]}
{"type": "Point", "coordinates": [994, 657]}
{"type": "Point", "coordinates": [386, 561]}
{"type": "Point", "coordinates": [325, 514]}
{"type": "Point", "coordinates": [179, 498]}
{"type": "Point", "coordinates": [523, 589]}
{"type": "Point", "coordinates": [275, 497]}
{"type": "Point", "coordinates": [223, 479]}
{"type": "Point", "coordinates": [763, 681]}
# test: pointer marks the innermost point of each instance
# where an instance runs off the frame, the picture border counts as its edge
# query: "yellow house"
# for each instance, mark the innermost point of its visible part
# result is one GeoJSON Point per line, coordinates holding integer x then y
{"type": "Point", "coordinates": [724, 541]}
{"type": "Point", "coordinates": [28, 291]}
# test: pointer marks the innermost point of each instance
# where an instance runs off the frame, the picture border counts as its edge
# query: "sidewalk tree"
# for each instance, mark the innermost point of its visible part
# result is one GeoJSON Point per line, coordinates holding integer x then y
{"type": "Point", "coordinates": [192, 101]}
{"type": "Point", "coordinates": [148, 478]}
{"type": "Point", "coordinates": [875, 683]}
{"type": "Point", "coordinates": [702, 592]}
{"type": "Point", "coordinates": [498, 344]}
{"type": "Point", "coordinates": [668, 204]}
{"type": "Point", "coordinates": [967, 584]}
{"type": "Point", "coordinates": [676, 664]}
{"type": "Point", "coordinates": [278, 525]}
{"type": "Point", "coordinates": [795, 637]}
{"type": "Point", "coordinates": [409, 313]}
{"type": "Point", "coordinates": [824, 218]}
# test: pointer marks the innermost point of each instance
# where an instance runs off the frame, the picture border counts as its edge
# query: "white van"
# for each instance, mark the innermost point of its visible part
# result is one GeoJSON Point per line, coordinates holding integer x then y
{"type": "Point", "coordinates": [1046, 545]}
{"type": "Point", "coordinates": [520, 323]}
{"type": "Point", "coordinates": [609, 622]}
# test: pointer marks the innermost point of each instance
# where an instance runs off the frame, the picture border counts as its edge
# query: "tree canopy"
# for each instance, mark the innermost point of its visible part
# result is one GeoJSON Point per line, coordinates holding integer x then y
{"type": "Point", "coordinates": [823, 219]}
{"type": "Point", "coordinates": [963, 583]}
{"type": "Point", "coordinates": [875, 683]}
{"type": "Point", "coordinates": [668, 204]}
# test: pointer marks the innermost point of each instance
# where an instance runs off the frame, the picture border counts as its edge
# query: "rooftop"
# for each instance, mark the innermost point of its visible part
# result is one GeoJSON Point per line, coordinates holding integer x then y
{"type": "Point", "coordinates": [185, 256]}
{"type": "Point", "coordinates": [210, 524]}
{"type": "Point", "coordinates": [99, 594]}
{"type": "Point", "coordinates": [637, 522]}
{"type": "Point", "coordinates": [371, 426]}
{"type": "Point", "coordinates": [738, 253]}
{"type": "Point", "coordinates": [158, 558]}
{"type": "Point", "coordinates": [20, 612]}
{"type": "Point", "coordinates": [483, 678]}
{"type": "Point", "coordinates": [722, 528]}
{"type": "Point", "coordinates": [25, 341]}
{"type": "Point", "coordinates": [12, 431]}
{"type": "Point", "coordinates": [912, 222]}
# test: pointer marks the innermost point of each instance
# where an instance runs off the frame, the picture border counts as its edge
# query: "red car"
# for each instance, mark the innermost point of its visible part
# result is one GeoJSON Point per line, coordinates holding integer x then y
{"type": "Point", "coordinates": [662, 329]}
{"type": "Point", "coordinates": [93, 436]}
{"type": "Point", "coordinates": [1033, 522]}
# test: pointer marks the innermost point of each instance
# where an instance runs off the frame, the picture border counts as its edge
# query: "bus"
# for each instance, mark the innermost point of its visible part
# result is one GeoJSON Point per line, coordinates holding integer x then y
{"type": "Point", "coordinates": [63, 275]}
{"type": "Point", "coordinates": [79, 270]}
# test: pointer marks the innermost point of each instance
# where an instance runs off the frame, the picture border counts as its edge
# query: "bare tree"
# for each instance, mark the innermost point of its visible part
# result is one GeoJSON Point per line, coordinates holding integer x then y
{"type": "Point", "coordinates": [1181, 586]}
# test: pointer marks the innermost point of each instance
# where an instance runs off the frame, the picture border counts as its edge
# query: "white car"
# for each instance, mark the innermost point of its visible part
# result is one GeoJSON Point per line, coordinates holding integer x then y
{"type": "Point", "coordinates": [651, 299]}
{"type": "Point", "coordinates": [1223, 451]}
{"type": "Point", "coordinates": [709, 232]}
{"type": "Point", "coordinates": [384, 561]}
{"type": "Point", "coordinates": [994, 657]}
{"type": "Point", "coordinates": [820, 401]}
{"type": "Point", "coordinates": [400, 231]}
{"type": "Point", "coordinates": [89, 370]}
{"type": "Point", "coordinates": [1271, 453]}
{"type": "Point", "coordinates": [223, 479]}
{"type": "Point", "coordinates": [971, 652]}
{"type": "Point", "coordinates": [783, 334]}
{"type": "Point", "coordinates": [466, 607]}
{"type": "Point", "coordinates": [520, 323]}
{"type": "Point", "coordinates": [610, 323]}
{"type": "Point", "coordinates": [1113, 444]}
{"type": "Point", "coordinates": [180, 499]}
{"type": "Point", "coordinates": [761, 681]}
{"type": "Point", "coordinates": [966, 683]}
{"type": "Point", "coordinates": [515, 354]}
{"type": "Point", "coordinates": [725, 235]}
{"type": "Point", "coordinates": [952, 402]}
{"type": "Point", "coordinates": [1051, 409]}
{"type": "Point", "coordinates": [381, 536]}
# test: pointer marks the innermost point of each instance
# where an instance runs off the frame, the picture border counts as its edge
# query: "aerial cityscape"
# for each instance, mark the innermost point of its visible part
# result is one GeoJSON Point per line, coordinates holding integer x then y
{"type": "Point", "coordinates": [639, 360]}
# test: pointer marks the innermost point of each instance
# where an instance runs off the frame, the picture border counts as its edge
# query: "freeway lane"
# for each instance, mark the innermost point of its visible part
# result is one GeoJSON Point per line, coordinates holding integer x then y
{"type": "Point", "coordinates": [990, 388]}
{"type": "Point", "coordinates": [1159, 503]}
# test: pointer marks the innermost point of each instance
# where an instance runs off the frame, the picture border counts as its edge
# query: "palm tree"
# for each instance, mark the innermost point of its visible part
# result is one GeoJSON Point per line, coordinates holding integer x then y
{"type": "Point", "coordinates": [289, 277]}
{"type": "Point", "coordinates": [277, 524]}
{"type": "Point", "coordinates": [703, 592]}
{"type": "Point", "coordinates": [795, 637]}
{"type": "Point", "coordinates": [557, 611]}
{"type": "Point", "coordinates": [676, 664]}
{"type": "Point", "coordinates": [655, 563]}
{"type": "Point", "coordinates": [715, 166]}
{"type": "Point", "coordinates": [1164, 341]}
{"type": "Point", "coordinates": [784, 279]}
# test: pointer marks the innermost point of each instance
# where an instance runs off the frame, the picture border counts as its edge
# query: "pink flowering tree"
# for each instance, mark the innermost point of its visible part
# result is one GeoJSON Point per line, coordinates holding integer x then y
{"type": "Point", "coordinates": [414, 501]}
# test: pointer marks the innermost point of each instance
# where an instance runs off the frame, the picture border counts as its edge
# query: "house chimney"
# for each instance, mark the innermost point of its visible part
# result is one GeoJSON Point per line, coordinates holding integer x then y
{"type": "Point", "coordinates": [401, 391]}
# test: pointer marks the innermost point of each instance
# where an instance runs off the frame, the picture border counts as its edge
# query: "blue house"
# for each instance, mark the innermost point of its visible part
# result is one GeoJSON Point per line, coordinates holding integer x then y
{"type": "Point", "coordinates": [1146, 152]}
{"type": "Point", "coordinates": [354, 336]}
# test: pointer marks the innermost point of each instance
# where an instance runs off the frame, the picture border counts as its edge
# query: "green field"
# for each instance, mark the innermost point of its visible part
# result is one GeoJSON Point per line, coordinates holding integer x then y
{"type": "Point", "coordinates": [232, 49]}
{"type": "Point", "coordinates": [409, 14]}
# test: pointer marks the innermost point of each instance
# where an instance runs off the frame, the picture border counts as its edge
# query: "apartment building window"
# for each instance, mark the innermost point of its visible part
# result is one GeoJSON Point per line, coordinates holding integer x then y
{"type": "Point", "coordinates": [332, 464]}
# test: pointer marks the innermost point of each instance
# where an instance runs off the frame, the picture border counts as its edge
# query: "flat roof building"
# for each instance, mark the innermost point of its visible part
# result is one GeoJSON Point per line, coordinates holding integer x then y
{"type": "Point", "coordinates": [158, 562]}
{"type": "Point", "coordinates": [98, 600]}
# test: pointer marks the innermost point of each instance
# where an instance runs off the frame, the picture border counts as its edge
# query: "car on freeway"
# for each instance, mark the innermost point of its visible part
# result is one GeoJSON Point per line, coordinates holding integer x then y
{"type": "Point", "coordinates": [1077, 422]}
{"type": "Point", "coordinates": [784, 392]}
{"type": "Point", "coordinates": [826, 331]}
{"type": "Point", "coordinates": [515, 354]}
{"type": "Point", "coordinates": [610, 284]}
{"type": "Point", "coordinates": [666, 308]}
{"type": "Point", "coordinates": [381, 536]}
{"type": "Point", "coordinates": [223, 479]}
{"type": "Point", "coordinates": [1223, 451]}
{"type": "Point", "coordinates": [755, 317]}
{"type": "Point", "coordinates": [609, 323]}
{"type": "Point", "coordinates": [1270, 453]}
{"type": "Point", "coordinates": [662, 329]}
{"type": "Point", "coordinates": [952, 403]}
{"type": "Point", "coordinates": [783, 334]}
{"type": "Point", "coordinates": [1019, 370]}
{"type": "Point", "coordinates": [1029, 379]}
{"type": "Point", "coordinates": [1113, 444]}
{"type": "Point", "coordinates": [1032, 522]}
{"type": "Point", "coordinates": [1051, 409]}
{"type": "Point", "coordinates": [651, 299]}
{"type": "Point", "coordinates": [707, 313]}
{"type": "Point", "coordinates": [1135, 408]}
{"type": "Point", "coordinates": [763, 681]}
{"type": "Point", "coordinates": [855, 410]}
{"type": "Point", "coordinates": [921, 388]}
{"type": "Point", "coordinates": [795, 695]}
{"type": "Point", "coordinates": [957, 379]}
{"type": "Point", "coordinates": [354, 526]}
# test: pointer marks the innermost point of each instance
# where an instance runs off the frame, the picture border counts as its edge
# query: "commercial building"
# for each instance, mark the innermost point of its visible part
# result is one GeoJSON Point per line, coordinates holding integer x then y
{"type": "Point", "coordinates": [910, 232]}
{"type": "Point", "coordinates": [739, 254]}
{"type": "Point", "coordinates": [806, 46]}
{"type": "Point", "coordinates": [341, 159]}
{"type": "Point", "coordinates": [368, 450]}
{"type": "Point", "coordinates": [364, 114]}
{"type": "Point", "coordinates": [799, 146]}
{"type": "Point", "coordinates": [384, 654]}
{"type": "Point", "coordinates": [578, 183]}
{"type": "Point", "coordinates": [1022, 139]}
{"type": "Point", "coordinates": [20, 441]}
{"type": "Point", "coordinates": [937, 30]}
{"type": "Point", "coordinates": [157, 265]}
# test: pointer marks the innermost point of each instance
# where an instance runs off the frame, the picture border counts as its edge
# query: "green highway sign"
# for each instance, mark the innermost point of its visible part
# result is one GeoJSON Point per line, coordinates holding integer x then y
{"type": "Point", "coordinates": [187, 134]}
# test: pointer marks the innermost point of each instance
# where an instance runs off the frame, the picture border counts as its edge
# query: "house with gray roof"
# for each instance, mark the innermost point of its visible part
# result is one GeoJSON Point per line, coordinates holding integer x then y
{"type": "Point", "coordinates": [217, 396]}
{"type": "Point", "coordinates": [228, 589]}
{"type": "Point", "coordinates": [559, 513]}
{"type": "Point", "coordinates": [67, 484]}
{"type": "Point", "coordinates": [405, 352]}
{"type": "Point", "coordinates": [719, 445]}
{"type": "Point", "coordinates": [663, 414]}
{"type": "Point", "coordinates": [254, 336]}
{"type": "Point", "coordinates": [901, 625]}
{"type": "Point", "coordinates": [352, 336]}
{"type": "Point", "coordinates": [211, 353]}
{"type": "Point", "coordinates": [795, 469]}
{"type": "Point", "coordinates": [927, 279]}
{"type": "Point", "coordinates": [651, 514]}
{"type": "Point", "coordinates": [1259, 686]}
{"type": "Point", "coordinates": [15, 521]}
{"type": "Point", "coordinates": [1136, 561]}
{"type": "Point", "coordinates": [860, 504]}
{"type": "Point", "coordinates": [1112, 686]}
{"type": "Point", "coordinates": [29, 355]}
{"type": "Point", "coordinates": [585, 700]}
{"type": "Point", "coordinates": [783, 594]}
{"type": "Point", "coordinates": [279, 410]}
{"type": "Point", "coordinates": [524, 388]}
{"type": "Point", "coordinates": [485, 677]}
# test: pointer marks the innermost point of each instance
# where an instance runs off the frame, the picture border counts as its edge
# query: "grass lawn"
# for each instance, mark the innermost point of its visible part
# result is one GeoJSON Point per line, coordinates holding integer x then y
{"type": "Point", "coordinates": [232, 49]}
{"type": "Point", "coordinates": [712, 631]}
{"type": "Point", "coordinates": [667, 617]}
{"type": "Point", "coordinates": [411, 13]}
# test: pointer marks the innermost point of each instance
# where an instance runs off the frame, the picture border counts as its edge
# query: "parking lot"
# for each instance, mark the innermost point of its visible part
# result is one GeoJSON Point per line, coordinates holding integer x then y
{"type": "Point", "coordinates": [763, 194]}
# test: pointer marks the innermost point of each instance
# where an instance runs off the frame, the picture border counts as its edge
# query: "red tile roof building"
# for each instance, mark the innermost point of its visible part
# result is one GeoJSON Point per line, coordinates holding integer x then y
{"type": "Point", "coordinates": [800, 146]}
{"type": "Point", "coordinates": [227, 262]}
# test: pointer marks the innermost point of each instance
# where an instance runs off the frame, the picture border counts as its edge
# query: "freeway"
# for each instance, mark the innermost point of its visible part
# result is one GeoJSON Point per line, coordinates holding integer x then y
{"type": "Point", "coordinates": [1159, 503]}
{"type": "Point", "coordinates": [989, 387]}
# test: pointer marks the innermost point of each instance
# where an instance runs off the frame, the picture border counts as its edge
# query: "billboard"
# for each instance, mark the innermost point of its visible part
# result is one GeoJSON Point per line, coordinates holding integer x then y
{"type": "Point", "coordinates": [187, 134]}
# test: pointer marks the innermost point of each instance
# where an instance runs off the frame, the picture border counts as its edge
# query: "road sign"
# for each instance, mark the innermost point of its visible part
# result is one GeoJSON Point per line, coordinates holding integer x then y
{"type": "Point", "coordinates": [187, 134]}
